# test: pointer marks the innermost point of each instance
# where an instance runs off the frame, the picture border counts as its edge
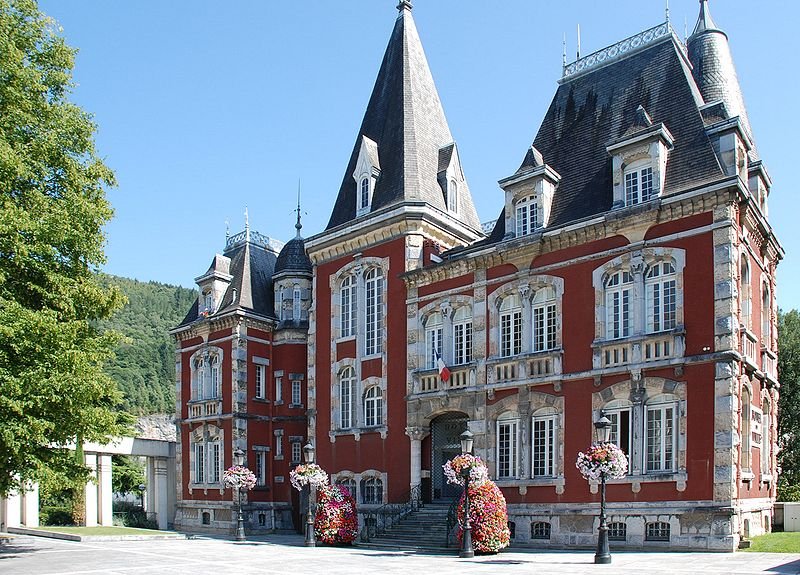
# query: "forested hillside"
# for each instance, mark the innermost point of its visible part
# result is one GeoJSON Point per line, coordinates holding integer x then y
{"type": "Point", "coordinates": [144, 367]}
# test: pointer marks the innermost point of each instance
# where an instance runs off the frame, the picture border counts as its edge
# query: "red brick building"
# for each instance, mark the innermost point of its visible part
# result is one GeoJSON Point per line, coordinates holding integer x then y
{"type": "Point", "coordinates": [631, 273]}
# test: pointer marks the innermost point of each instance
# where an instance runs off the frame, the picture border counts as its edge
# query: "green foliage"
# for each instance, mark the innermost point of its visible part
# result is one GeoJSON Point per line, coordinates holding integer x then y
{"type": "Point", "coordinates": [775, 543]}
{"type": "Point", "coordinates": [144, 366]}
{"type": "Point", "coordinates": [128, 514]}
{"type": "Point", "coordinates": [789, 403]}
{"type": "Point", "coordinates": [127, 474]}
{"type": "Point", "coordinates": [52, 210]}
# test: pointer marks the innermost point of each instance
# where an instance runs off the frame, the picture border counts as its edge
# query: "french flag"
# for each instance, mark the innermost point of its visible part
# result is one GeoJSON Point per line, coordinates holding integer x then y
{"type": "Point", "coordinates": [444, 371]}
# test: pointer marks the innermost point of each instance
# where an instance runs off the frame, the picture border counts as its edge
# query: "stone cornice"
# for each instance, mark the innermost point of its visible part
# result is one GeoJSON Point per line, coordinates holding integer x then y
{"type": "Point", "coordinates": [202, 328]}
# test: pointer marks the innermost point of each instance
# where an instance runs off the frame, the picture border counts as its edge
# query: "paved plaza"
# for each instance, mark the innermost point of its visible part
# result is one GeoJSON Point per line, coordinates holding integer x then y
{"type": "Point", "coordinates": [285, 554]}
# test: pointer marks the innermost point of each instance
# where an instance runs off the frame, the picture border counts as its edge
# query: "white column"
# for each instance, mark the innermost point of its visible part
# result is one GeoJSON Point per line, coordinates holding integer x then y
{"type": "Point", "coordinates": [30, 506]}
{"type": "Point", "coordinates": [106, 494]}
{"type": "Point", "coordinates": [90, 491]}
{"type": "Point", "coordinates": [416, 434]}
{"type": "Point", "coordinates": [150, 491]}
{"type": "Point", "coordinates": [12, 510]}
{"type": "Point", "coordinates": [161, 492]}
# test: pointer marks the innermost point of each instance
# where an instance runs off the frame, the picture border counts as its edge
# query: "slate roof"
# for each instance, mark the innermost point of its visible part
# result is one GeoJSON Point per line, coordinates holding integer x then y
{"type": "Point", "coordinates": [593, 109]}
{"type": "Point", "coordinates": [405, 119]}
{"type": "Point", "coordinates": [293, 257]}
{"type": "Point", "coordinates": [713, 69]}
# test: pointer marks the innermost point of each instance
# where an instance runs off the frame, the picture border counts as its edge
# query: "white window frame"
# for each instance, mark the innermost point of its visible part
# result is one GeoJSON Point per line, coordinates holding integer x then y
{"type": "Point", "coordinates": [297, 452]}
{"type": "Point", "coordinates": [200, 462]}
{"type": "Point", "coordinates": [665, 413]}
{"type": "Point", "coordinates": [462, 336]}
{"type": "Point", "coordinates": [297, 392]}
{"type": "Point", "coordinates": [661, 297]}
{"type": "Point", "coordinates": [548, 422]}
{"type": "Point", "coordinates": [373, 316]}
{"type": "Point", "coordinates": [296, 303]}
{"type": "Point", "coordinates": [278, 388]}
{"type": "Point", "coordinates": [510, 326]}
{"type": "Point", "coordinates": [766, 316]}
{"type": "Point", "coordinates": [208, 301]}
{"type": "Point", "coordinates": [347, 398]}
{"type": "Point", "coordinates": [452, 196]}
{"type": "Point", "coordinates": [279, 444]}
{"type": "Point", "coordinates": [544, 319]}
{"type": "Point", "coordinates": [434, 330]}
{"type": "Point", "coordinates": [364, 193]}
{"type": "Point", "coordinates": [619, 299]}
{"type": "Point", "coordinates": [347, 306]}
{"type": "Point", "coordinates": [507, 448]}
{"type": "Point", "coordinates": [526, 212]}
{"type": "Point", "coordinates": [373, 406]}
{"type": "Point", "coordinates": [260, 376]}
{"type": "Point", "coordinates": [639, 184]}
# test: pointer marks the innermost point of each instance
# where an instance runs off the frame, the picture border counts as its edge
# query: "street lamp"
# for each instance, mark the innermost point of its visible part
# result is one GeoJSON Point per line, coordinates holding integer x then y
{"type": "Point", "coordinates": [466, 540]}
{"type": "Point", "coordinates": [603, 556]}
{"type": "Point", "coordinates": [238, 457]}
{"type": "Point", "coordinates": [308, 454]}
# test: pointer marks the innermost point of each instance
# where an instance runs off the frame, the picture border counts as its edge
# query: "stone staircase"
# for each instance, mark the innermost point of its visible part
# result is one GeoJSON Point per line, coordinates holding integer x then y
{"type": "Point", "coordinates": [421, 530]}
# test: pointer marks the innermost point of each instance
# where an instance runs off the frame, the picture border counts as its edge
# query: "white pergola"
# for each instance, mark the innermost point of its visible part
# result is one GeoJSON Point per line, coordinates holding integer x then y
{"type": "Point", "coordinates": [22, 509]}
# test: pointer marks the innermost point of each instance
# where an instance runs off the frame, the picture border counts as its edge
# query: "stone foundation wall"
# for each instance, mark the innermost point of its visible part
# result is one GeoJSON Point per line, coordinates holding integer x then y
{"type": "Point", "coordinates": [259, 518]}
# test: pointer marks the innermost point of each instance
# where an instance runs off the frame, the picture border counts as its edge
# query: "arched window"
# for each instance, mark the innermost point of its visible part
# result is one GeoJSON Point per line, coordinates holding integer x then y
{"type": "Point", "coordinates": [348, 483]}
{"type": "Point", "coordinates": [364, 192]}
{"type": "Point", "coordinates": [619, 293]}
{"type": "Point", "coordinates": [540, 530]}
{"type": "Point", "coordinates": [347, 307]}
{"type": "Point", "coordinates": [347, 396]}
{"type": "Point", "coordinates": [373, 406]}
{"type": "Point", "coordinates": [372, 491]}
{"type": "Point", "coordinates": [206, 376]}
{"type": "Point", "coordinates": [766, 321]}
{"type": "Point", "coordinates": [511, 325]}
{"type": "Point", "coordinates": [507, 446]}
{"type": "Point", "coordinates": [661, 416]}
{"type": "Point", "coordinates": [744, 290]}
{"type": "Point", "coordinates": [543, 442]}
{"type": "Point", "coordinates": [296, 294]}
{"type": "Point", "coordinates": [462, 335]}
{"type": "Point", "coordinates": [198, 378]}
{"type": "Point", "coordinates": [660, 296]}
{"type": "Point", "coordinates": [746, 439]}
{"type": "Point", "coordinates": [373, 286]}
{"type": "Point", "coordinates": [544, 319]}
{"type": "Point", "coordinates": [452, 196]}
{"type": "Point", "coordinates": [433, 339]}
{"type": "Point", "coordinates": [527, 215]}
{"type": "Point", "coordinates": [766, 444]}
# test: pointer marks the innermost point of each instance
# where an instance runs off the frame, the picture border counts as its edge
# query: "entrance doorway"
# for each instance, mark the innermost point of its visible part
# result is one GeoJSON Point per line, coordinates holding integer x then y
{"type": "Point", "coordinates": [446, 433]}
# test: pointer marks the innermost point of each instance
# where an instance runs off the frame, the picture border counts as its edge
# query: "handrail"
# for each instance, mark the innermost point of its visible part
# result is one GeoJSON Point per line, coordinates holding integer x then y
{"type": "Point", "coordinates": [377, 521]}
{"type": "Point", "coordinates": [452, 519]}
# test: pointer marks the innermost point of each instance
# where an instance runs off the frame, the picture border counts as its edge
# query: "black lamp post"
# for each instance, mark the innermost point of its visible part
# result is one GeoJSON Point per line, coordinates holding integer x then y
{"type": "Point", "coordinates": [142, 487]}
{"type": "Point", "coordinates": [466, 540]}
{"type": "Point", "coordinates": [603, 555]}
{"type": "Point", "coordinates": [238, 456]}
{"type": "Point", "coordinates": [308, 454]}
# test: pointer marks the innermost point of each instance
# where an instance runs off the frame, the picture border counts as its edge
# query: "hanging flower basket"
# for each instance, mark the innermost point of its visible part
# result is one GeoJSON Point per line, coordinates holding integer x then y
{"type": "Point", "coordinates": [308, 474]}
{"type": "Point", "coordinates": [488, 518]}
{"type": "Point", "coordinates": [602, 459]}
{"type": "Point", "coordinates": [239, 477]}
{"type": "Point", "coordinates": [454, 468]}
{"type": "Point", "coordinates": [336, 522]}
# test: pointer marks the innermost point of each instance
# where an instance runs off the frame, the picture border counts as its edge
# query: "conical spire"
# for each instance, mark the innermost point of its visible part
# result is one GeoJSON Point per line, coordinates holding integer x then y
{"type": "Point", "coordinates": [405, 123]}
{"type": "Point", "coordinates": [713, 68]}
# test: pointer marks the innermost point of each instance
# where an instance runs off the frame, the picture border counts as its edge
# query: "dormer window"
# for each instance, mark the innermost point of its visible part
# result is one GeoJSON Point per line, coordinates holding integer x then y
{"type": "Point", "coordinates": [452, 196]}
{"type": "Point", "coordinates": [639, 185]}
{"type": "Point", "coordinates": [208, 303]}
{"type": "Point", "coordinates": [366, 174]}
{"type": "Point", "coordinates": [527, 216]}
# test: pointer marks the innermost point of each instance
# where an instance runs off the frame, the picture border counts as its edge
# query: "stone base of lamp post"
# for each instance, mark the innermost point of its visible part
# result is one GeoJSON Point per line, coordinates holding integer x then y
{"type": "Point", "coordinates": [240, 536]}
{"type": "Point", "coordinates": [466, 551]}
{"type": "Point", "coordinates": [310, 540]}
{"type": "Point", "coordinates": [603, 554]}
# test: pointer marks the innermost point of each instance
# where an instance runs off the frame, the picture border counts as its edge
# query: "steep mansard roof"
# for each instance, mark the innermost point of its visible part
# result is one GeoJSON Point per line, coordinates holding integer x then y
{"type": "Point", "coordinates": [293, 257]}
{"type": "Point", "coordinates": [592, 109]}
{"type": "Point", "coordinates": [406, 120]}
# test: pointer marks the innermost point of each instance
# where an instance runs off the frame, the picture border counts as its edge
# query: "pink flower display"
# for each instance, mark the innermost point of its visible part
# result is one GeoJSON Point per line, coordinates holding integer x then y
{"type": "Point", "coordinates": [602, 458]}
{"type": "Point", "coordinates": [337, 516]}
{"type": "Point", "coordinates": [488, 517]}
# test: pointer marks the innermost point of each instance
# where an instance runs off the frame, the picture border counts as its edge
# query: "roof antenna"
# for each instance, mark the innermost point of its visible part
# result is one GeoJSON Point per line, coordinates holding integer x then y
{"type": "Point", "coordinates": [579, 41]}
{"type": "Point", "coordinates": [298, 226]}
{"type": "Point", "coordinates": [666, 10]}
{"type": "Point", "coordinates": [246, 225]}
{"type": "Point", "coordinates": [685, 30]}
{"type": "Point", "coordinates": [564, 51]}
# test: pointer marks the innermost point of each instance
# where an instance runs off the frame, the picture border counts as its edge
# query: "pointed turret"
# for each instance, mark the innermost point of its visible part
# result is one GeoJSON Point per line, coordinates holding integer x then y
{"type": "Point", "coordinates": [713, 68]}
{"type": "Point", "coordinates": [404, 134]}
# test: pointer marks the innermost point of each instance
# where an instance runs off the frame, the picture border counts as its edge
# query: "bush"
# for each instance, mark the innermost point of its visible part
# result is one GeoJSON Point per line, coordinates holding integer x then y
{"type": "Point", "coordinates": [55, 515]}
{"type": "Point", "coordinates": [488, 517]}
{"type": "Point", "coordinates": [127, 514]}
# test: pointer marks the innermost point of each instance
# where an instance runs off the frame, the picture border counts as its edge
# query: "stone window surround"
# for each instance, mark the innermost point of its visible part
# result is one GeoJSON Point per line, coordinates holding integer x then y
{"type": "Point", "coordinates": [360, 388]}
{"type": "Point", "coordinates": [637, 393]}
{"type": "Point", "coordinates": [650, 148]}
{"type": "Point", "coordinates": [448, 308]}
{"type": "Point", "coordinates": [205, 352]}
{"type": "Point", "coordinates": [357, 477]}
{"type": "Point", "coordinates": [526, 288]}
{"type": "Point", "coordinates": [206, 433]}
{"type": "Point", "coordinates": [637, 262]}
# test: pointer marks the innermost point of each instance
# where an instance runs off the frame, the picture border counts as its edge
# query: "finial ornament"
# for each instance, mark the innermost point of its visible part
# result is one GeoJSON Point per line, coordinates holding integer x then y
{"type": "Point", "coordinates": [405, 5]}
{"type": "Point", "coordinates": [227, 228]}
{"type": "Point", "coordinates": [298, 226]}
{"type": "Point", "coordinates": [579, 41]}
{"type": "Point", "coordinates": [666, 10]}
{"type": "Point", "coordinates": [246, 225]}
{"type": "Point", "coordinates": [564, 51]}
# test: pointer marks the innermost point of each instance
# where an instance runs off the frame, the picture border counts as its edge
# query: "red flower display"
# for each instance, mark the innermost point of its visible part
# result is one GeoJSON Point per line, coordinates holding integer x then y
{"type": "Point", "coordinates": [488, 516]}
{"type": "Point", "coordinates": [337, 516]}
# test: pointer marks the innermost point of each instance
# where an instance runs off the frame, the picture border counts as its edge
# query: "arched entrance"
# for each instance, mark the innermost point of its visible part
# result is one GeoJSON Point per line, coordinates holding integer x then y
{"type": "Point", "coordinates": [445, 444]}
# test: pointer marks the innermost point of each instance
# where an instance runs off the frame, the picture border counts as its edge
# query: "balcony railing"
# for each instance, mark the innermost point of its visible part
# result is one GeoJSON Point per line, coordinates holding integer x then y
{"type": "Point", "coordinates": [460, 377]}
{"type": "Point", "coordinates": [769, 364]}
{"type": "Point", "coordinates": [641, 349]}
{"type": "Point", "coordinates": [199, 409]}
{"type": "Point", "coordinates": [522, 367]}
{"type": "Point", "coordinates": [748, 347]}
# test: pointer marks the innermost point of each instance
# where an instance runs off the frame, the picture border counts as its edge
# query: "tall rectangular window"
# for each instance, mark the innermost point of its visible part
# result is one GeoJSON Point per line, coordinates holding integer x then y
{"type": "Point", "coordinates": [660, 438]}
{"type": "Point", "coordinates": [374, 311]}
{"type": "Point", "coordinates": [347, 308]}
{"type": "Point", "coordinates": [279, 445]}
{"type": "Point", "coordinates": [621, 429]}
{"type": "Point", "coordinates": [200, 462]}
{"type": "Point", "coordinates": [297, 398]}
{"type": "Point", "coordinates": [260, 375]}
{"type": "Point", "coordinates": [215, 459]}
{"type": "Point", "coordinates": [346, 398]}
{"type": "Point", "coordinates": [261, 468]}
{"type": "Point", "coordinates": [507, 448]}
{"type": "Point", "coordinates": [433, 344]}
{"type": "Point", "coordinates": [511, 333]}
{"type": "Point", "coordinates": [296, 298]}
{"type": "Point", "coordinates": [618, 300]}
{"type": "Point", "coordinates": [297, 451]}
{"type": "Point", "coordinates": [543, 446]}
{"type": "Point", "coordinates": [544, 327]}
{"type": "Point", "coordinates": [278, 389]}
{"type": "Point", "coordinates": [527, 216]}
{"type": "Point", "coordinates": [462, 343]}
{"type": "Point", "coordinates": [631, 188]}
{"type": "Point", "coordinates": [661, 298]}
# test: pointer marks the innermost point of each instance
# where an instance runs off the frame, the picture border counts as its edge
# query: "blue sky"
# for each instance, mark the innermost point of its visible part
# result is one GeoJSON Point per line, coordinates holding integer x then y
{"type": "Point", "coordinates": [206, 107]}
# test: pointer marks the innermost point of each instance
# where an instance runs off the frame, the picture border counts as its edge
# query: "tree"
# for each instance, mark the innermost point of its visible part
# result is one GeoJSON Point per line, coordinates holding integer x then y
{"type": "Point", "coordinates": [789, 404]}
{"type": "Point", "coordinates": [52, 188]}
